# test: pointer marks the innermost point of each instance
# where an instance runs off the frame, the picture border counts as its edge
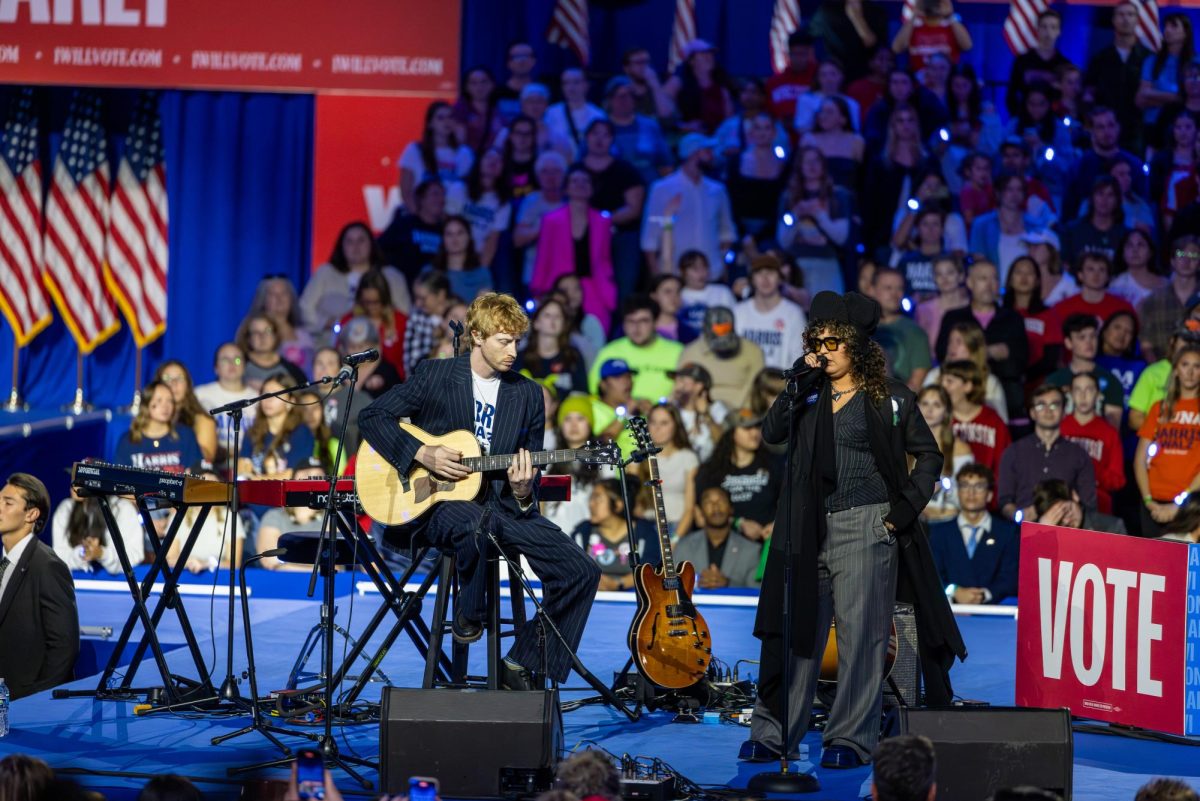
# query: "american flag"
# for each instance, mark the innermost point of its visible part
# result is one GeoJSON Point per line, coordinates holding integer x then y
{"type": "Point", "coordinates": [569, 27]}
{"type": "Point", "coordinates": [76, 219]}
{"type": "Point", "coordinates": [136, 271]}
{"type": "Point", "coordinates": [1020, 29]}
{"type": "Point", "coordinates": [22, 298]}
{"type": "Point", "coordinates": [683, 31]}
{"type": "Point", "coordinates": [909, 10]}
{"type": "Point", "coordinates": [1148, 30]}
{"type": "Point", "coordinates": [784, 23]}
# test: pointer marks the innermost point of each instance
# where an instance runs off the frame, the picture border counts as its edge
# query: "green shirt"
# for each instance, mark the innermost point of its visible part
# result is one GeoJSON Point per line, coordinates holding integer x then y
{"type": "Point", "coordinates": [906, 346]}
{"type": "Point", "coordinates": [603, 416]}
{"type": "Point", "coordinates": [651, 362]}
{"type": "Point", "coordinates": [1151, 386]}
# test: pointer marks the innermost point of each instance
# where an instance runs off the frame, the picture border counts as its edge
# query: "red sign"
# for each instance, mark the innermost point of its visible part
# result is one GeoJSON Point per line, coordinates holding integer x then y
{"type": "Point", "coordinates": [300, 45]}
{"type": "Point", "coordinates": [356, 149]}
{"type": "Point", "coordinates": [1101, 626]}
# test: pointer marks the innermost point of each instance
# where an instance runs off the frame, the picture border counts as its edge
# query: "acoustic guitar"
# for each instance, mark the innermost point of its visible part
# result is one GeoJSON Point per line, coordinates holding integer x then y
{"type": "Point", "coordinates": [669, 639]}
{"type": "Point", "coordinates": [393, 499]}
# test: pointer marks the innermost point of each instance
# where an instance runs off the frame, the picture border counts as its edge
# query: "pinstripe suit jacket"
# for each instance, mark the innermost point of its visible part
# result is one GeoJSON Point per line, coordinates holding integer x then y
{"type": "Point", "coordinates": [439, 398]}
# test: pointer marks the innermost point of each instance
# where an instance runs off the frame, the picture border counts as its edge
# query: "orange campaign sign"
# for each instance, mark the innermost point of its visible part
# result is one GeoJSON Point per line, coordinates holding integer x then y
{"type": "Point", "coordinates": [406, 46]}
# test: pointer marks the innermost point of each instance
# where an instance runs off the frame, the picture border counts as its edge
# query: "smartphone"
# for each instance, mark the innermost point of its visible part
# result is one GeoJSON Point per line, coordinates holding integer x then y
{"type": "Point", "coordinates": [422, 788]}
{"type": "Point", "coordinates": [310, 775]}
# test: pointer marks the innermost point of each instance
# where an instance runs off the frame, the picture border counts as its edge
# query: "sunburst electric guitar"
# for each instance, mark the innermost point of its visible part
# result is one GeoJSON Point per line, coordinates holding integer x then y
{"type": "Point", "coordinates": [393, 499]}
{"type": "Point", "coordinates": [669, 639]}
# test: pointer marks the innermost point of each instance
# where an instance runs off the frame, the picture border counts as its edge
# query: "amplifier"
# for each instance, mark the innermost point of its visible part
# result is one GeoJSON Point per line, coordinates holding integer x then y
{"type": "Point", "coordinates": [476, 743]}
{"type": "Point", "coordinates": [906, 670]}
{"type": "Point", "coordinates": [982, 750]}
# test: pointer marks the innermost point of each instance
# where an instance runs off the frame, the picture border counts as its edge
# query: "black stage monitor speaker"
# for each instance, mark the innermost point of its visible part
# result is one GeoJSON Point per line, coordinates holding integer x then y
{"type": "Point", "coordinates": [984, 749]}
{"type": "Point", "coordinates": [477, 743]}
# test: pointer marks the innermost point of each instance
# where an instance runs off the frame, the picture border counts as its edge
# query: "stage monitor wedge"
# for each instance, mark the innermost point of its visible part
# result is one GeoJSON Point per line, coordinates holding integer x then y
{"type": "Point", "coordinates": [984, 749]}
{"type": "Point", "coordinates": [477, 743]}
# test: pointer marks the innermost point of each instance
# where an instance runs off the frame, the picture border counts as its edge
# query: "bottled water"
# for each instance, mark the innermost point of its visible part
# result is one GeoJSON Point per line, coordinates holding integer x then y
{"type": "Point", "coordinates": [4, 697]}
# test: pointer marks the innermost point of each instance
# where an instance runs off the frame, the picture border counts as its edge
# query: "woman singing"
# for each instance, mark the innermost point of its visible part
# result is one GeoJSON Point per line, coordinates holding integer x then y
{"type": "Point", "coordinates": [854, 532]}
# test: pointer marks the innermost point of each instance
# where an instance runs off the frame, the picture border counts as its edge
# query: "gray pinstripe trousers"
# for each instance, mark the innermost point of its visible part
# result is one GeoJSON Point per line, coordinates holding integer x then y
{"type": "Point", "coordinates": [856, 574]}
{"type": "Point", "coordinates": [569, 578]}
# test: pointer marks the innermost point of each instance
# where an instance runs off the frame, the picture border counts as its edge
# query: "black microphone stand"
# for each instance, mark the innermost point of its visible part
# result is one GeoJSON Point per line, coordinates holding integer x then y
{"type": "Point", "coordinates": [229, 687]}
{"type": "Point", "coordinates": [785, 780]}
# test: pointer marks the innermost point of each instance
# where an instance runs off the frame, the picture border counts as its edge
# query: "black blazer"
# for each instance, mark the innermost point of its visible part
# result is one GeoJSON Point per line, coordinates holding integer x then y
{"type": "Point", "coordinates": [39, 624]}
{"type": "Point", "coordinates": [439, 398]}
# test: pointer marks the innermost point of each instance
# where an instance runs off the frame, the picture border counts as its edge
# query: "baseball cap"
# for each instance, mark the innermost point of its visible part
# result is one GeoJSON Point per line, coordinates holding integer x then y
{"type": "Point", "coordinates": [1043, 237]}
{"type": "Point", "coordinates": [1188, 330]}
{"type": "Point", "coordinates": [693, 371]}
{"type": "Point", "coordinates": [693, 142]}
{"type": "Point", "coordinates": [616, 82]}
{"type": "Point", "coordinates": [696, 46]}
{"type": "Point", "coordinates": [745, 418]}
{"type": "Point", "coordinates": [766, 261]}
{"type": "Point", "coordinates": [718, 329]}
{"type": "Point", "coordinates": [615, 367]}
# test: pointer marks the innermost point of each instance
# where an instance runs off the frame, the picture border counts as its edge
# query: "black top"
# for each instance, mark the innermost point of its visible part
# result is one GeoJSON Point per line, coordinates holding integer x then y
{"type": "Point", "coordinates": [1030, 68]}
{"type": "Point", "coordinates": [583, 255]}
{"type": "Point", "coordinates": [716, 552]}
{"type": "Point", "coordinates": [858, 480]}
{"type": "Point", "coordinates": [833, 28]}
{"type": "Point", "coordinates": [753, 490]}
{"type": "Point", "coordinates": [1114, 84]}
{"type": "Point", "coordinates": [609, 186]}
{"type": "Point", "coordinates": [409, 243]}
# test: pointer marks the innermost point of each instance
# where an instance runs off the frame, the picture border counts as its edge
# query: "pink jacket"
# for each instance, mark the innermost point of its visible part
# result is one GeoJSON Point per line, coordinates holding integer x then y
{"type": "Point", "coordinates": [556, 256]}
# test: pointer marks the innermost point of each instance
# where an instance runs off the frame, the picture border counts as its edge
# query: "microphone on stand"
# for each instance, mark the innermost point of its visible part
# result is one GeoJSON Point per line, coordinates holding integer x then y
{"type": "Point", "coordinates": [343, 376]}
{"type": "Point", "coordinates": [801, 368]}
{"type": "Point", "coordinates": [371, 355]}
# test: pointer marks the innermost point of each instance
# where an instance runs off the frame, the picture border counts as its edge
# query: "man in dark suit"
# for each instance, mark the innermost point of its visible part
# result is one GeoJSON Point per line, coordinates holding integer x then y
{"type": "Point", "coordinates": [976, 554]}
{"type": "Point", "coordinates": [39, 625]}
{"type": "Point", "coordinates": [482, 393]}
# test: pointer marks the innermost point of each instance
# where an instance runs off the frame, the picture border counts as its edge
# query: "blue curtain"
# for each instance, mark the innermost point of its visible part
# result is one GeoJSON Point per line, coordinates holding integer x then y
{"type": "Point", "coordinates": [239, 185]}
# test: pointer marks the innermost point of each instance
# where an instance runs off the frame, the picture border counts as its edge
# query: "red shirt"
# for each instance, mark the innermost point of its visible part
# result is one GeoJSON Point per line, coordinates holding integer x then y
{"type": "Point", "coordinates": [866, 93]}
{"type": "Point", "coordinates": [1109, 305]}
{"type": "Point", "coordinates": [1103, 445]}
{"type": "Point", "coordinates": [930, 37]}
{"type": "Point", "coordinates": [784, 88]}
{"type": "Point", "coordinates": [987, 435]}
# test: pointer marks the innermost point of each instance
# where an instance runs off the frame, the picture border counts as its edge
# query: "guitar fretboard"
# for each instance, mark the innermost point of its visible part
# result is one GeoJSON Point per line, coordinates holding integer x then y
{"type": "Point", "coordinates": [485, 464]}
{"type": "Point", "coordinates": [660, 518]}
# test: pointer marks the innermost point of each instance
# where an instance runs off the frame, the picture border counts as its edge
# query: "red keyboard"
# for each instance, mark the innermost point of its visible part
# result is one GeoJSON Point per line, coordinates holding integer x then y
{"type": "Point", "coordinates": [310, 492]}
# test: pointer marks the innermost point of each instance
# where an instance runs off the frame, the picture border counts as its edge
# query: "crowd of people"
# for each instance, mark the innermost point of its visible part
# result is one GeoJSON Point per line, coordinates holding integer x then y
{"type": "Point", "coordinates": [1035, 260]}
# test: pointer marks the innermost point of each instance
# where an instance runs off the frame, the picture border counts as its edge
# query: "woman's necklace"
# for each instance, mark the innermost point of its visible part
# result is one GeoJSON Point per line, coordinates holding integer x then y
{"type": "Point", "coordinates": [838, 394]}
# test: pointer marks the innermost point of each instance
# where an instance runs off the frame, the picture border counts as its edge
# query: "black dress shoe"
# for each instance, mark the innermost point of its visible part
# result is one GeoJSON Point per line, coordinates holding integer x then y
{"type": "Point", "coordinates": [758, 751]}
{"type": "Point", "coordinates": [840, 757]}
{"type": "Point", "coordinates": [465, 630]}
{"type": "Point", "coordinates": [515, 677]}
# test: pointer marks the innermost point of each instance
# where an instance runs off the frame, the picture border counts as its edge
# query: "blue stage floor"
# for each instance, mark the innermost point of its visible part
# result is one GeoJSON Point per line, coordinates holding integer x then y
{"type": "Point", "coordinates": [105, 737]}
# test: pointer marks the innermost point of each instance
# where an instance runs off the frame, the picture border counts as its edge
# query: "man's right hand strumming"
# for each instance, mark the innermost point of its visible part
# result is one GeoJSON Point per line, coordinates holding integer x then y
{"type": "Point", "coordinates": [442, 461]}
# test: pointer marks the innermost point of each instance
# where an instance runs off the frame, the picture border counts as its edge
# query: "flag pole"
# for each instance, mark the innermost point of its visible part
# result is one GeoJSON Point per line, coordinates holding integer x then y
{"type": "Point", "coordinates": [15, 404]}
{"type": "Point", "coordinates": [79, 406]}
{"type": "Point", "coordinates": [137, 382]}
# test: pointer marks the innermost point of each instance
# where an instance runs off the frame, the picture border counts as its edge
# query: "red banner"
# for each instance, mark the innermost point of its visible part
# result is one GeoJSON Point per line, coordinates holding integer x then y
{"type": "Point", "coordinates": [294, 45]}
{"type": "Point", "coordinates": [356, 149]}
{"type": "Point", "coordinates": [1102, 626]}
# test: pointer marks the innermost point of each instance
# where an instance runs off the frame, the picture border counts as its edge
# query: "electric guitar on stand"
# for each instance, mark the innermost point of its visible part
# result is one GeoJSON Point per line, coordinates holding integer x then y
{"type": "Point", "coordinates": [669, 639]}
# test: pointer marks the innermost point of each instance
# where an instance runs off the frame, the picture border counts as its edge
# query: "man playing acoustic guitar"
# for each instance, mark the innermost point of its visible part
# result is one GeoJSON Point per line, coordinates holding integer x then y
{"type": "Point", "coordinates": [480, 391]}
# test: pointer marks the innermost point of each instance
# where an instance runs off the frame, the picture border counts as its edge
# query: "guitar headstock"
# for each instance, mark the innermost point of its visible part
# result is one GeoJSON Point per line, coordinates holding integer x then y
{"type": "Point", "coordinates": [640, 429]}
{"type": "Point", "coordinates": [600, 453]}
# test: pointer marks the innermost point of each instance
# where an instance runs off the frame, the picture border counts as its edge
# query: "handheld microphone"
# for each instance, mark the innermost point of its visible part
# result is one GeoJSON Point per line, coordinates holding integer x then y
{"type": "Point", "coordinates": [802, 368]}
{"type": "Point", "coordinates": [370, 355]}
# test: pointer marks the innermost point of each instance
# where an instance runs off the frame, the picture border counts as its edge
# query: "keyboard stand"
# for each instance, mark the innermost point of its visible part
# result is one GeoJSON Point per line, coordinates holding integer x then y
{"type": "Point", "coordinates": [175, 689]}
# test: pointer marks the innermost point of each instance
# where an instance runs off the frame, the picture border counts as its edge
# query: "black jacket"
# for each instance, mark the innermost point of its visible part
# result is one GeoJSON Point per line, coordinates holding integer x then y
{"type": "Point", "coordinates": [1006, 327]}
{"type": "Point", "coordinates": [39, 624]}
{"type": "Point", "coordinates": [896, 430]}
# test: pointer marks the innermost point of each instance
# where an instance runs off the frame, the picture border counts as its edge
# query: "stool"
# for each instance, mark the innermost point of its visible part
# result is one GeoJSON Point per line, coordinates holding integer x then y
{"type": "Point", "coordinates": [442, 624]}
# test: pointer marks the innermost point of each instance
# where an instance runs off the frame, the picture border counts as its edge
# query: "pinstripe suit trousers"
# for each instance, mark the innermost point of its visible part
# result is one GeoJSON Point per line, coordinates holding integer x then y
{"type": "Point", "coordinates": [569, 578]}
{"type": "Point", "coordinates": [856, 574]}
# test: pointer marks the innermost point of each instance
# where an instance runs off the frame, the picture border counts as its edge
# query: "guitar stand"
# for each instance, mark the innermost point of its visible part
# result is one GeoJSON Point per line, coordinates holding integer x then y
{"type": "Point", "coordinates": [544, 622]}
{"type": "Point", "coordinates": [178, 691]}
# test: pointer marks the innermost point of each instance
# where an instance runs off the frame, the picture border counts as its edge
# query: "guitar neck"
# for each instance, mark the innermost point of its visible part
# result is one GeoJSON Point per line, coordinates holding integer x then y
{"type": "Point", "coordinates": [660, 520]}
{"type": "Point", "coordinates": [485, 464]}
